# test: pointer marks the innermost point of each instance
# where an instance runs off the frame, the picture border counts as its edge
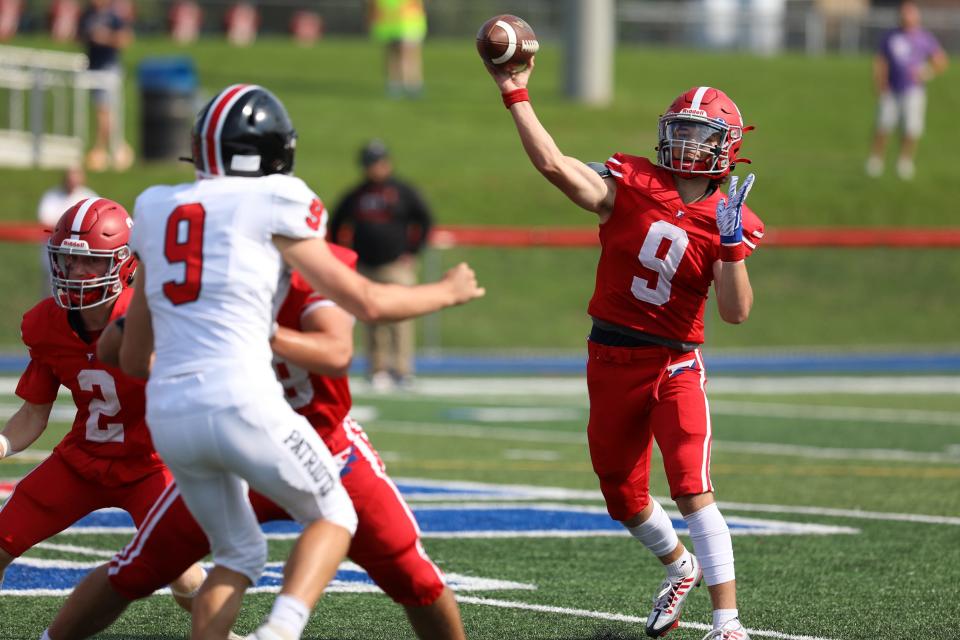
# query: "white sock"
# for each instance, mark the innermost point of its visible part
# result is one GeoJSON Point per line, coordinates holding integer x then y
{"type": "Point", "coordinates": [712, 544]}
{"type": "Point", "coordinates": [46, 635]}
{"type": "Point", "coordinates": [681, 567]}
{"type": "Point", "coordinates": [723, 616]}
{"type": "Point", "coordinates": [656, 533]}
{"type": "Point", "coordinates": [289, 614]}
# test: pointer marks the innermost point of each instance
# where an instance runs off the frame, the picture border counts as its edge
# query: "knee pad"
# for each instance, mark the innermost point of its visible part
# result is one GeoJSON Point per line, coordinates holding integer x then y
{"type": "Point", "coordinates": [410, 578]}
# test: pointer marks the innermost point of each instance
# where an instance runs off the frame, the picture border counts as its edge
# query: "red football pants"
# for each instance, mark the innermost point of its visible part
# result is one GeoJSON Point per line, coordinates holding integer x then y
{"type": "Point", "coordinates": [638, 394]}
{"type": "Point", "coordinates": [53, 496]}
{"type": "Point", "coordinates": [386, 544]}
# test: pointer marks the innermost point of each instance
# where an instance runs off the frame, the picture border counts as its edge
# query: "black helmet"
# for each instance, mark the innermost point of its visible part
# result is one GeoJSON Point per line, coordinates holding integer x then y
{"type": "Point", "coordinates": [244, 131]}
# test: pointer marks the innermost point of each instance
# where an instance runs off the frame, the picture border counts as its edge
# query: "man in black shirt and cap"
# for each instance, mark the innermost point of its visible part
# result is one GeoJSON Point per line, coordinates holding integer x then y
{"type": "Point", "coordinates": [386, 221]}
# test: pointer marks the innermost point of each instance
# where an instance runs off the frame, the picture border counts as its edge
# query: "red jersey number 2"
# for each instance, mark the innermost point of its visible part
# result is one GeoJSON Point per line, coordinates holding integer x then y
{"type": "Point", "coordinates": [184, 243]}
{"type": "Point", "coordinates": [662, 250]}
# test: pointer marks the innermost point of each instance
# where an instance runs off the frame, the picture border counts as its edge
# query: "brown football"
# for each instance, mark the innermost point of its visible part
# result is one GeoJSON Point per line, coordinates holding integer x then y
{"type": "Point", "coordinates": [507, 41]}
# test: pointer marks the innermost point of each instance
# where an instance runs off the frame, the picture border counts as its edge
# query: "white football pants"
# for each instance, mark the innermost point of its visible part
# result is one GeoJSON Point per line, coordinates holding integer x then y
{"type": "Point", "coordinates": [218, 431]}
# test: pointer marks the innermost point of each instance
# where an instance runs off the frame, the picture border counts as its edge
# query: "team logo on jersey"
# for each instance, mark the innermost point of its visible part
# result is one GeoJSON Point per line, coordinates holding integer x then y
{"type": "Point", "coordinates": [680, 214]}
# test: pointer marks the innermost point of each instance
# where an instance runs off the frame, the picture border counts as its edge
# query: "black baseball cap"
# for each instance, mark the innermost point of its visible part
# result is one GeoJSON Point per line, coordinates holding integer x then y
{"type": "Point", "coordinates": [373, 151]}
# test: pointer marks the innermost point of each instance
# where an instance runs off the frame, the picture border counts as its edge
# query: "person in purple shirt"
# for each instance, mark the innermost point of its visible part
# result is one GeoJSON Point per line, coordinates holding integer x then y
{"type": "Point", "coordinates": [906, 59]}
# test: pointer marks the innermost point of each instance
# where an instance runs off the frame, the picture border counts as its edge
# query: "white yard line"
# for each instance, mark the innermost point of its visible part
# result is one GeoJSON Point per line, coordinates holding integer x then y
{"type": "Point", "coordinates": [513, 434]}
{"type": "Point", "coordinates": [503, 493]}
{"type": "Point", "coordinates": [845, 414]}
{"type": "Point", "coordinates": [761, 385]}
{"type": "Point", "coordinates": [615, 617]}
{"type": "Point", "coordinates": [70, 548]}
{"type": "Point", "coordinates": [572, 385]}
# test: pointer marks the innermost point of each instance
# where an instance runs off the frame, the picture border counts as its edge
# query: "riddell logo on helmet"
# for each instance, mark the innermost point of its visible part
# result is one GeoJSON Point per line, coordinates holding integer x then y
{"type": "Point", "coordinates": [70, 243]}
{"type": "Point", "coordinates": [694, 112]}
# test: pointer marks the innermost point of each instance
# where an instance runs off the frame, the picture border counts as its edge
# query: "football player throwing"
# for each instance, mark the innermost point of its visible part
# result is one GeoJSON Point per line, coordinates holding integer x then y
{"type": "Point", "coordinates": [667, 233]}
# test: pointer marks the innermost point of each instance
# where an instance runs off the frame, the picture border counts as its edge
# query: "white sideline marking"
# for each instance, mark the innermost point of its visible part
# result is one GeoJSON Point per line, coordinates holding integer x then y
{"type": "Point", "coordinates": [571, 385]}
{"type": "Point", "coordinates": [70, 548]}
{"type": "Point", "coordinates": [481, 432]}
{"type": "Point", "coordinates": [531, 454]}
{"type": "Point", "coordinates": [60, 413]}
{"type": "Point", "coordinates": [616, 617]}
{"type": "Point", "coordinates": [30, 455]}
{"type": "Point", "coordinates": [855, 514]}
{"type": "Point", "coordinates": [831, 453]}
{"type": "Point", "coordinates": [567, 386]}
{"type": "Point", "coordinates": [518, 414]}
{"type": "Point", "coordinates": [816, 412]}
{"type": "Point", "coordinates": [457, 581]}
{"type": "Point", "coordinates": [517, 492]}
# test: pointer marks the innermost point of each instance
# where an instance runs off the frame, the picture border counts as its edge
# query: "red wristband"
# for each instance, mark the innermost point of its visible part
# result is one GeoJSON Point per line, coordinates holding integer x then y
{"type": "Point", "coordinates": [732, 252]}
{"type": "Point", "coordinates": [515, 96]}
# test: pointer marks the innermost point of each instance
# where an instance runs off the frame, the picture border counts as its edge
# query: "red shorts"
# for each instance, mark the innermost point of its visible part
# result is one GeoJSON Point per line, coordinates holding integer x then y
{"type": "Point", "coordinates": [53, 496]}
{"type": "Point", "coordinates": [386, 544]}
{"type": "Point", "coordinates": [638, 394]}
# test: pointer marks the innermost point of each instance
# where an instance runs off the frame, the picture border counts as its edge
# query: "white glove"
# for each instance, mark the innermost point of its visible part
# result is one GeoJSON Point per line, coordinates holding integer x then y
{"type": "Point", "coordinates": [729, 219]}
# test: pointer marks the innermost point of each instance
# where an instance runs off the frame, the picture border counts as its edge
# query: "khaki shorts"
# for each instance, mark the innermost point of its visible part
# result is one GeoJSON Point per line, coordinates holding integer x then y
{"type": "Point", "coordinates": [904, 109]}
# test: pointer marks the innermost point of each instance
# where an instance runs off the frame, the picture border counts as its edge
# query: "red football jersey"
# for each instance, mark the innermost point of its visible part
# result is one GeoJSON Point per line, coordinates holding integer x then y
{"type": "Point", "coordinates": [109, 441]}
{"type": "Point", "coordinates": [657, 253]}
{"type": "Point", "coordinates": [324, 401]}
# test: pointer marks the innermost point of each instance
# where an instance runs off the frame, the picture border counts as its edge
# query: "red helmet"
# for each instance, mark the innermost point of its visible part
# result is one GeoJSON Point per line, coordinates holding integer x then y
{"type": "Point", "coordinates": [700, 134]}
{"type": "Point", "coordinates": [92, 228]}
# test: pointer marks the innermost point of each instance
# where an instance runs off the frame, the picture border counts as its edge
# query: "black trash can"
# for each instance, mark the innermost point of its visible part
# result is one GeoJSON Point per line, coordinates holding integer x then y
{"type": "Point", "coordinates": [168, 95]}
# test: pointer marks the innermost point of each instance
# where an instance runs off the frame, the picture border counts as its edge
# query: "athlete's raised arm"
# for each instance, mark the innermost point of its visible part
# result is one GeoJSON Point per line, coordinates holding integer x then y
{"type": "Point", "coordinates": [584, 186]}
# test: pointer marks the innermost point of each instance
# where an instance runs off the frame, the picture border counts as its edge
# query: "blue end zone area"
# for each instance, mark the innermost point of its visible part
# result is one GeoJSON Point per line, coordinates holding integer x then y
{"type": "Point", "coordinates": [574, 364]}
{"type": "Point", "coordinates": [463, 514]}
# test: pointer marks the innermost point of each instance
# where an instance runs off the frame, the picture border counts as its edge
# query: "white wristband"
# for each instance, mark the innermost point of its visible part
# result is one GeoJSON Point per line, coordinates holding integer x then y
{"type": "Point", "coordinates": [5, 446]}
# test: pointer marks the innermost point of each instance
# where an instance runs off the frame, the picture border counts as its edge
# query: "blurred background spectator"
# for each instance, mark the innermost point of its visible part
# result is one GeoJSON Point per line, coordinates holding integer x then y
{"type": "Point", "coordinates": [908, 57]}
{"type": "Point", "coordinates": [106, 32]}
{"type": "Point", "coordinates": [58, 199]}
{"type": "Point", "coordinates": [241, 22]}
{"type": "Point", "coordinates": [53, 203]}
{"type": "Point", "coordinates": [64, 16]}
{"type": "Point", "coordinates": [386, 221]}
{"type": "Point", "coordinates": [400, 26]}
{"type": "Point", "coordinates": [306, 27]}
{"type": "Point", "coordinates": [184, 20]}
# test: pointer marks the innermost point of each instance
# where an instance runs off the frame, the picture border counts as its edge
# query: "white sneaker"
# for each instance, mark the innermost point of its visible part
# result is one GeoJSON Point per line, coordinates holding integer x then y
{"type": "Point", "coordinates": [905, 169]}
{"type": "Point", "coordinates": [732, 630]}
{"type": "Point", "coordinates": [874, 166]}
{"type": "Point", "coordinates": [668, 602]}
{"type": "Point", "coordinates": [271, 632]}
{"type": "Point", "coordinates": [381, 382]}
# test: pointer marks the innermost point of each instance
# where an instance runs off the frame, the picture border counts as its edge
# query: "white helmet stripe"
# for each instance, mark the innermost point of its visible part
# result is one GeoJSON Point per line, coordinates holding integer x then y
{"type": "Point", "coordinates": [219, 124]}
{"type": "Point", "coordinates": [511, 42]}
{"type": "Point", "coordinates": [698, 96]}
{"type": "Point", "coordinates": [80, 215]}
{"type": "Point", "coordinates": [213, 125]}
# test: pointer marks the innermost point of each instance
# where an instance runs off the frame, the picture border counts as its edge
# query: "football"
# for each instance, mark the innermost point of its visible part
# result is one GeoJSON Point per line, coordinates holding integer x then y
{"type": "Point", "coordinates": [507, 42]}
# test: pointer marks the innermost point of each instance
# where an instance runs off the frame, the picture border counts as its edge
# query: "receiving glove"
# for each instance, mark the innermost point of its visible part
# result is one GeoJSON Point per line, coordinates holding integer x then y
{"type": "Point", "coordinates": [730, 220]}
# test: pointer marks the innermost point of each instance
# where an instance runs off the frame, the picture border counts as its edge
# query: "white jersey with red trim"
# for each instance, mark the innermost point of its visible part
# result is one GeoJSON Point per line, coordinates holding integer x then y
{"type": "Point", "coordinates": [214, 278]}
